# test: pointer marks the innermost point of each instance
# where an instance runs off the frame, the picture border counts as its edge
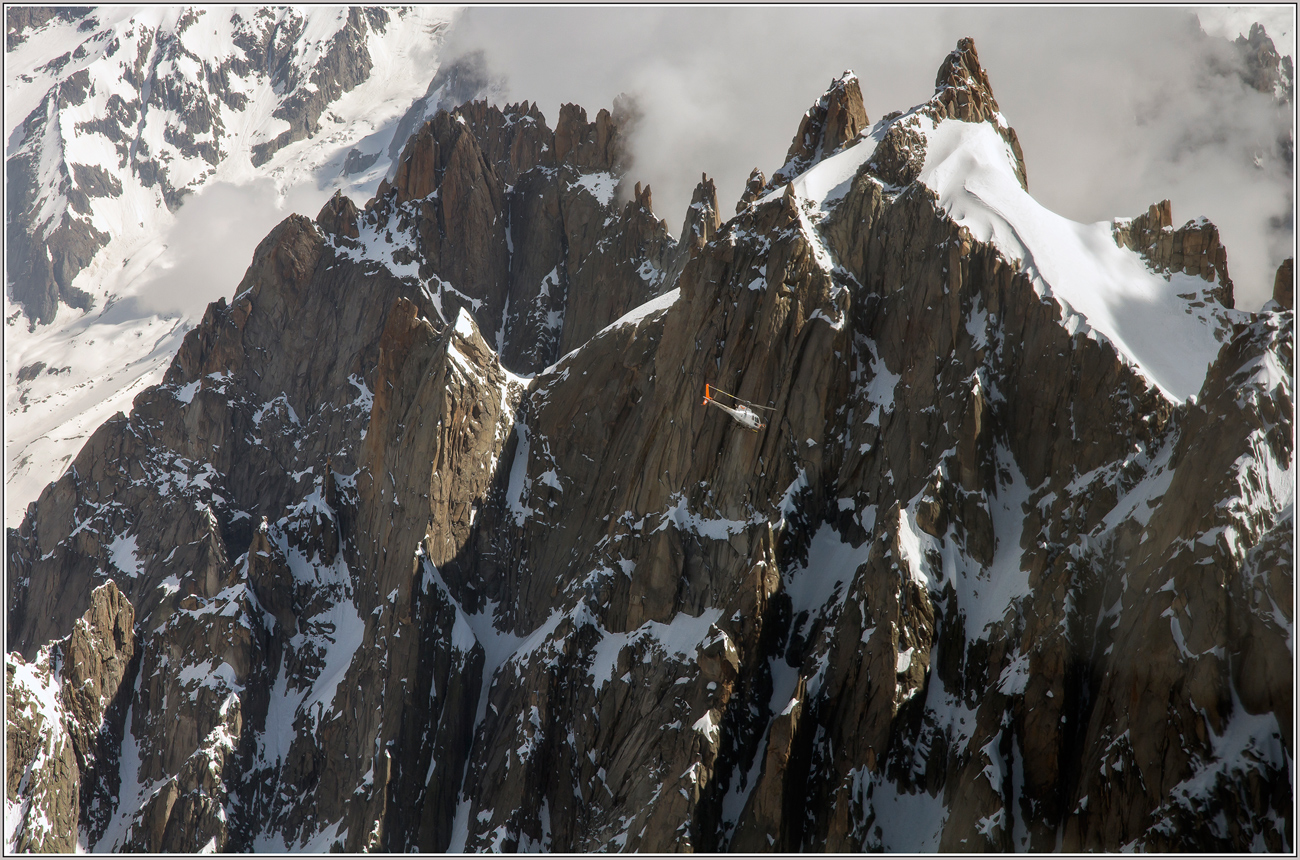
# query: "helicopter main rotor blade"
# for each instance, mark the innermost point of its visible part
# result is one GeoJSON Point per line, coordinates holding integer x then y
{"type": "Point", "coordinates": [716, 390]}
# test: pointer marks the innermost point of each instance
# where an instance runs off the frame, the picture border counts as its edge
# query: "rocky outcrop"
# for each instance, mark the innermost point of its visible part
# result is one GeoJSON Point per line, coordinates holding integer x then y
{"type": "Point", "coordinates": [699, 228]}
{"type": "Point", "coordinates": [338, 217]}
{"type": "Point", "coordinates": [20, 21]}
{"type": "Point", "coordinates": [1193, 249]}
{"type": "Point", "coordinates": [836, 118]}
{"type": "Point", "coordinates": [619, 272]}
{"type": "Point", "coordinates": [962, 91]}
{"type": "Point", "coordinates": [702, 219]}
{"type": "Point", "coordinates": [1284, 284]}
{"type": "Point", "coordinates": [753, 189]}
{"type": "Point", "coordinates": [41, 778]}
{"type": "Point", "coordinates": [64, 714]}
{"type": "Point", "coordinates": [599, 615]}
{"type": "Point", "coordinates": [1265, 70]}
{"type": "Point", "coordinates": [519, 225]}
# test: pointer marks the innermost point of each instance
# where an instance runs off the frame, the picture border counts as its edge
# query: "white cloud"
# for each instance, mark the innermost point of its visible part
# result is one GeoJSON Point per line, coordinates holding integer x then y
{"type": "Point", "coordinates": [211, 242]}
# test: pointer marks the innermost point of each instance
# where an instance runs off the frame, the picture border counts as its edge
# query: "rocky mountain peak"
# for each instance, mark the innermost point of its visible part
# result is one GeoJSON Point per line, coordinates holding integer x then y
{"type": "Point", "coordinates": [753, 189]}
{"type": "Point", "coordinates": [521, 224]}
{"type": "Point", "coordinates": [1284, 284]}
{"type": "Point", "coordinates": [641, 199]}
{"type": "Point", "coordinates": [595, 146]}
{"type": "Point", "coordinates": [338, 217]}
{"type": "Point", "coordinates": [836, 118]}
{"type": "Point", "coordinates": [1264, 69]}
{"type": "Point", "coordinates": [962, 91]}
{"type": "Point", "coordinates": [962, 86]}
{"type": "Point", "coordinates": [1193, 249]}
{"type": "Point", "coordinates": [599, 614]}
{"type": "Point", "coordinates": [702, 219]}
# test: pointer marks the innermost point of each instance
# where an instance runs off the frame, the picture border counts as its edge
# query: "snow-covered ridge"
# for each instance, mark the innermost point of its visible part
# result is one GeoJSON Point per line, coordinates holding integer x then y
{"type": "Point", "coordinates": [828, 180]}
{"type": "Point", "coordinates": [1167, 325]}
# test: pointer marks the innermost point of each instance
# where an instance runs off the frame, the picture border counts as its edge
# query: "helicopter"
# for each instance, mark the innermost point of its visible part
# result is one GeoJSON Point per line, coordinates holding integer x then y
{"type": "Point", "coordinates": [744, 412]}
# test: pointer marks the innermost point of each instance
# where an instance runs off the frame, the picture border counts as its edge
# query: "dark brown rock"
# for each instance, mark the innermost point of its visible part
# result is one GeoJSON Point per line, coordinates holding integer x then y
{"type": "Point", "coordinates": [1284, 284]}
{"type": "Point", "coordinates": [1265, 70]}
{"type": "Point", "coordinates": [753, 190]}
{"type": "Point", "coordinates": [702, 220]}
{"type": "Point", "coordinates": [42, 780]}
{"type": "Point", "coordinates": [338, 217]}
{"type": "Point", "coordinates": [836, 118]}
{"type": "Point", "coordinates": [1194, 248]}
{"type": "Point", "coordinates": [21, 20]}
{"type": "Point", "coordinates": [64, 715]}
{"type": "Point", "coordinates": [521, 221]}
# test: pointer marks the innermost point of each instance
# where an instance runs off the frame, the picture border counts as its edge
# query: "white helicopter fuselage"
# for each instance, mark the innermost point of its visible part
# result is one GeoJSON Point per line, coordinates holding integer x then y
{"type": "Point", "coordinates": [744, 416]}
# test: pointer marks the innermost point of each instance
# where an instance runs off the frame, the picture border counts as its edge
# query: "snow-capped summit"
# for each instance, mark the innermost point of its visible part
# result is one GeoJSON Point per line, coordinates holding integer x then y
{"type": "Point", "coordinates": [1168, 318]}
{"type": "Point", "coordinates": [836, 118]}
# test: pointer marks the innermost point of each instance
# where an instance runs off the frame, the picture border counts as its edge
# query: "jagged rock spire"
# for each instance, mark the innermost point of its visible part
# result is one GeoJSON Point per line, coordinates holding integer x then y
{"type": "Point", "coordinates": [338, 217]}
{"type": "Point", "coordinates": [1264, 69]}
{"type": "Point", "coordinates": [698, 229]}
{"type": "Point", "coordinates": [753, 188]}
{"type": "Point", "coordinates": [641, 197]}
{"type": "Point", "coordinates": [962, 91]}
{"type": "Point", "coordinates": [702, 219]}
{"type": "Point", "coordinates": [836, 118]}
{"type": "Point", "coordinates": [1194, 249]}
{"type": "Point", "coordinates": [962, 86]}
{"type": "Point", "coordinates": [587, 145]}
{"type": "Point", "coordinates": [1284, 284]}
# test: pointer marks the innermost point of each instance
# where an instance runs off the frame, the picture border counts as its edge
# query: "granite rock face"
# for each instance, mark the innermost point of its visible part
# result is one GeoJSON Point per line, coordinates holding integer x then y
{"type": "Point", "coordinates": [65, 713]}
{"type": "Point", "coordinates": [836, 118]}
{"type": "Point", "coordinates": [430, 544]}
{"type": "Point", "coordinates": [1284, 285]}
{"type": "Point", "coordinates": [525, 223]}
{"type": "Point", "coordinates": [1264, 69]}
{"type": "Point", "coordinates": [1194, 248]}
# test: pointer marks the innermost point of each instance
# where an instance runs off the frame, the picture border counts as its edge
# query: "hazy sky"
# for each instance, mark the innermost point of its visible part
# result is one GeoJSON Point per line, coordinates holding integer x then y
{"type": "Point", "coordinates": [1116, 108]}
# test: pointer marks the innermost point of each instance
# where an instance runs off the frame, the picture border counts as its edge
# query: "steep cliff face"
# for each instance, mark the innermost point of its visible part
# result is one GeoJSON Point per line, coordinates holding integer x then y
{"type": "Point", "coordinates": [996, 573]}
